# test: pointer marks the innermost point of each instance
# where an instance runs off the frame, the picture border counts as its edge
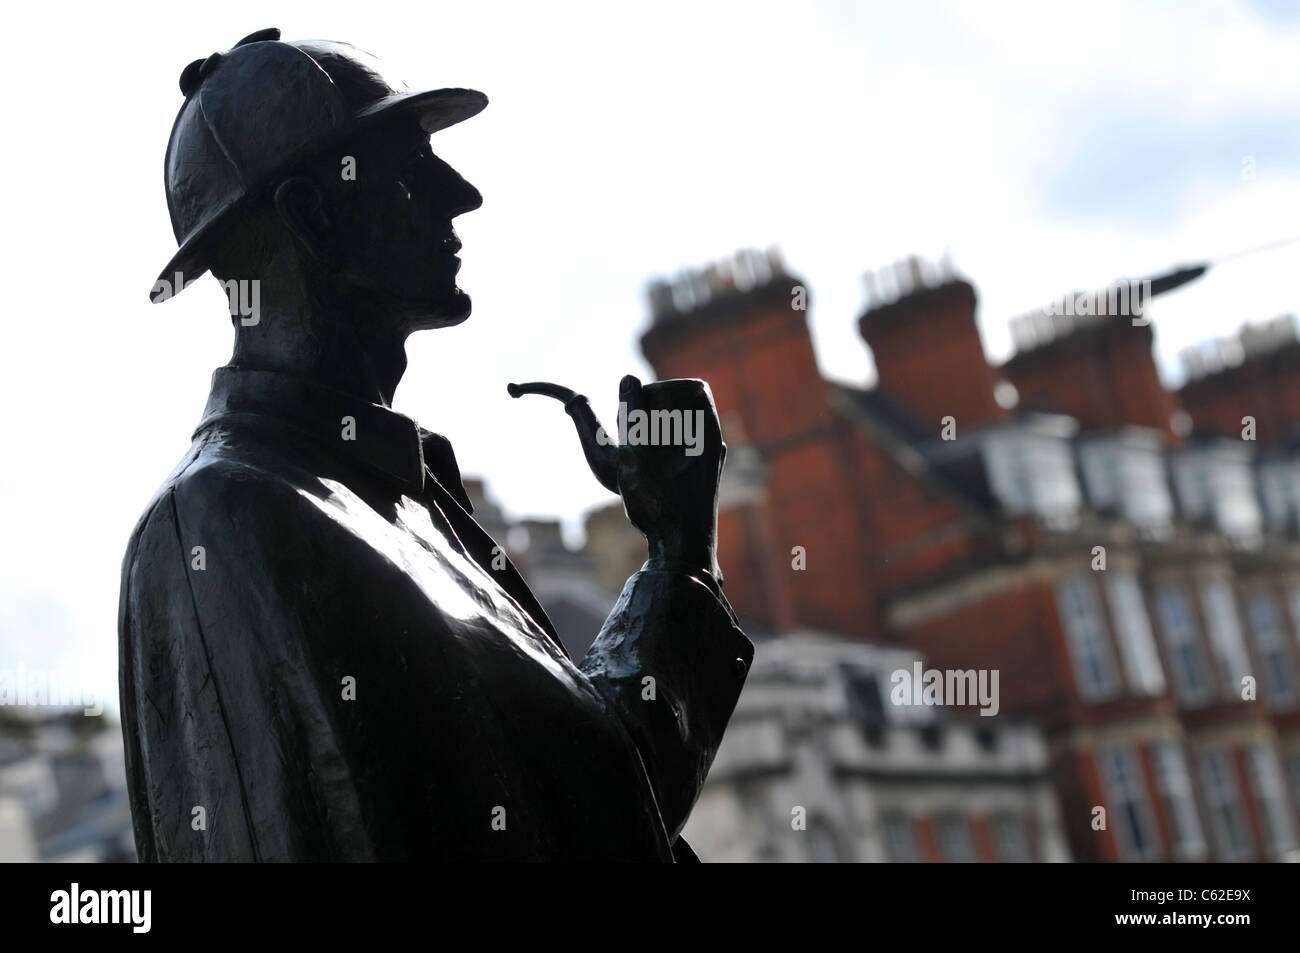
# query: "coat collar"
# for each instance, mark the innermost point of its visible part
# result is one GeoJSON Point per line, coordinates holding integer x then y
{"type": "Point", "coordinates": [370, 435]}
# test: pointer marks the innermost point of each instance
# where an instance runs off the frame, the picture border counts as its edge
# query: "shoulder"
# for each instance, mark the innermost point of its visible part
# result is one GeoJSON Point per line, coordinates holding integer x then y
{"type": "Point", "coordinates": [224, 485]}
{"type": "Point", "coordinates": [221, 492]}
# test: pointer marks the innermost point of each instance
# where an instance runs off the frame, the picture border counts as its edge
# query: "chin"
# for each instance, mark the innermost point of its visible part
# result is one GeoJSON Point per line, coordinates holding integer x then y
{"type": "Point", "coordinates": [448, 311]}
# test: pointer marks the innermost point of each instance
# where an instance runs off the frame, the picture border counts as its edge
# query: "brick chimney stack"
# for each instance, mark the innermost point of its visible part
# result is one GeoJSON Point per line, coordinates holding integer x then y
{"type": "Point", "coordinates": [1097, 367]}
{"type": "Point", "coordinates": [920, 325]}
{"type": "Point", "coordinates": [742, 325]}
{"type": "Point", "coordinates": [1255, 372]}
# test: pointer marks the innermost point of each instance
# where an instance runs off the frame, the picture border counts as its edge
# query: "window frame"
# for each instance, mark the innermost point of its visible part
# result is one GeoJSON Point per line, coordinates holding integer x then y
{"type": "Point", "coordinates": [899, 822]}
{"type": "Point", "coordinates": [1139, 656]}
{"type": "Point", "coordinates": [1087, 636]}
{"type": "Point", "coordinates": [1268, 790]}
{"type": "Point", "coordinates": [1004, 822]}
{"type": "Point", "coordinates": [1234, 803]}
{"type": "Point", "coordinates": [1176, 790]}
{"type": "Point", "coordinates": [1125, 785]}
{"type": "Point", "coordinates": [1270, 643]}
{"type": "Point", "coordinates": [952, 822]}
{"type": "Point", "coordinates": [1224, 633]}
{"type": "Point", "coordinates": [1185, 654]}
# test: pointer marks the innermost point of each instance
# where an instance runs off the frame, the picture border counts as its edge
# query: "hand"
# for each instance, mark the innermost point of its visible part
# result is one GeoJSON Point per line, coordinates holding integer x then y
{"type": "Point", "coordinates": [669, 465]}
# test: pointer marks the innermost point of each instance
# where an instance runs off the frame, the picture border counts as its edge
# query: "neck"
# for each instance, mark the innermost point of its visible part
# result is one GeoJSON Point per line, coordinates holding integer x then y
{"type": "Point", "coordinates": [348, 348]}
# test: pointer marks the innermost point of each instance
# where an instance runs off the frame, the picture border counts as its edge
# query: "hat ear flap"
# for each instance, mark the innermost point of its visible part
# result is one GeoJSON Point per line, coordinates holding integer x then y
{"type": "Point", "coordinates": [190, 77]}
{"type": "Point", "coordinates": [271, 33]}
{"type": "Point", "coordinates": [193, 74]}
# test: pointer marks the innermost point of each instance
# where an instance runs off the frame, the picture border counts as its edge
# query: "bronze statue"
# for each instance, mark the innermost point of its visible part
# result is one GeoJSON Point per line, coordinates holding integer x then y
{"type": "Point", "coordinates": [323, 656]}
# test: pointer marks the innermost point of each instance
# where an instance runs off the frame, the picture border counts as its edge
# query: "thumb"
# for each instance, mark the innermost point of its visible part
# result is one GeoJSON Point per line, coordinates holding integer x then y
{"type": "Point", "coordinates": [629, 392]}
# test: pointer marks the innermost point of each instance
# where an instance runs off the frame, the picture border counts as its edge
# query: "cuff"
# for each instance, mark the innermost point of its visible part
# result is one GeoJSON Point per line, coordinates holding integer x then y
{"type": "Point", "coordinates": [672, 660]}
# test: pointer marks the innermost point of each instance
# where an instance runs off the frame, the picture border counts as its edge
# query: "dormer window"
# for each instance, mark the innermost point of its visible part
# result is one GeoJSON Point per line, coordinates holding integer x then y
{"type": "Point", "coordinates": [1216, 487]}
{"type": "Point", "coordinates": [1032, 474]}
{"type": "Point", "coordinates": [1125, 475]}
{"type": "Point", "coordinates": [1279, 486]}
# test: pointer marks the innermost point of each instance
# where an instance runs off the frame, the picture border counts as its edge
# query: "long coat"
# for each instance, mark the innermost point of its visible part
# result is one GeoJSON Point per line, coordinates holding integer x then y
{"type": "Point", "coordinates": [324, 657]}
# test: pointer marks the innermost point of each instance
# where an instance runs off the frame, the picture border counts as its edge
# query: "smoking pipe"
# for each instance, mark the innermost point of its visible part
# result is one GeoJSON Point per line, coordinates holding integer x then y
{"type": "Point", "coordinates": [601, 451]}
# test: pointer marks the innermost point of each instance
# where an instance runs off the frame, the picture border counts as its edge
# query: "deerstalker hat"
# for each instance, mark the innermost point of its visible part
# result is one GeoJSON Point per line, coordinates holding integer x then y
{"type": "Point", "coordinates": [253, 112]}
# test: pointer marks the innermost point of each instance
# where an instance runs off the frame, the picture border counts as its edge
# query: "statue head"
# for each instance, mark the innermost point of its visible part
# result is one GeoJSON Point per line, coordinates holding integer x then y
{"type": "Point", "coordinates": [298, 168]}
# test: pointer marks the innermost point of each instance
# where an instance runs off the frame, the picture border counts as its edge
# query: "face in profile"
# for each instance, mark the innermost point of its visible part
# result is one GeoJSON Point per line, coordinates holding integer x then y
{"type": "Point", "coordinates": [392, 227]}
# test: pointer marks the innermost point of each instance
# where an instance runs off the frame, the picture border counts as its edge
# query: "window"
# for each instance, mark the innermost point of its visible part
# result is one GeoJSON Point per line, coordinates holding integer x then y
{"type": "Point", "coordinates": [1033, 474]}
{"type": "Point", "coordinates": [862, 693]}
{"type": "Point", "coordinates": [913, 714]}
{"type": "Point", "coordinates": [822, 845]}
{"type": "Point", "coordinates": [1279, 485]}
{"type": "Point", "coordinates": [1236, 506]}
{"type": "Point", "coordinates": [1217, 485]}
{"type": "Point", "coordinates": [900, 838]}
{"type": "Point", "coordinates": [1136, 644]}
{"type": "Point", "coordinates": [1227, 811]}
{"type": "Point", "coordinates": [1270, 642]}
{"type": "Point", "coordinates": [1129, 806]}
{"type": "Point", "coordinates": [1128, 477]}
{"type": "Point", "coordinates": [1012, 839]}
{"type": "Point", "coordinates": [956, 841]}
{"type": "Point", "coordinates": [1085, 630]}
{"type": "Point", "coordinates": [1194, 490]}
{"type": "Point", "coordinates": [1225, 635]}
{"type": "Point", "coordinates": [1175, 786]}
{"type": "Point", "coordinates": [1144, 488]}
{"type": "Point", "coordinates": [1187, 662]}
{"type": "Point", "coordinates": [1293, 769]}
{"type": "Point", "coordinates": [1293, 599]}
{"type": "Point", "coordinates": [1270, 798]}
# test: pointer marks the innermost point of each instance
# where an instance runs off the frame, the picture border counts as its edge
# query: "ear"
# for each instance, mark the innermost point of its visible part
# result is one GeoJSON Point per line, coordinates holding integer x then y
{"type": "Point", "coordinates": [301, 206]}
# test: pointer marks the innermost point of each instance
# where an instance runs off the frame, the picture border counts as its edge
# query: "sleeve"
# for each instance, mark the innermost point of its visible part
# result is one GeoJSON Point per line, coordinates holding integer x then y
{"type": "Point", "coordinates": [671, 660]}
{"type": "Point", "coordinates": [218, 698]}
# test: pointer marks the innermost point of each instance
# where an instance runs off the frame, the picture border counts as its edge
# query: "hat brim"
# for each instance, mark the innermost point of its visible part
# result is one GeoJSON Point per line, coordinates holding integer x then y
{"type": "Point", "coordinates": [435, 109]}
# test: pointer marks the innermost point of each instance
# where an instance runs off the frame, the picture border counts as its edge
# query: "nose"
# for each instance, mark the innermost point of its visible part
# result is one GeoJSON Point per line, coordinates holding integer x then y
{"type": "Point", "coordinates": [457, 196]}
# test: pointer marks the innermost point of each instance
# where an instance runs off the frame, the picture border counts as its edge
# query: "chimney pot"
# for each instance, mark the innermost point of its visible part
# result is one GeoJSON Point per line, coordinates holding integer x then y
{"type": "Point", "coordinates": [903, 279]}
{"type": "Point", "coordinates": [683, 293]}
{"type": "Point", "coordinates": [914, 268]}
{"type": "Point", "coordinates": [661, 299]}
{"type": "Point", "coordinates": [744, 272]}
{"type": "Point", "coordinates": [775, 263]}
{"type": "Point", "coordinates": [701, 287]}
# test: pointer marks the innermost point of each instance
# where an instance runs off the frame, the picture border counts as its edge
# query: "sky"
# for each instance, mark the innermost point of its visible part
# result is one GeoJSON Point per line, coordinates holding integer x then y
{"type": "Point", "coordinates": [1044, 147]}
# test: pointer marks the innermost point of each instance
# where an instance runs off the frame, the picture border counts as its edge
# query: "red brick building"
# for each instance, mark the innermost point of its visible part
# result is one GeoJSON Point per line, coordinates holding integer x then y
{"type": "Point", "coordinates": [1135, 581]}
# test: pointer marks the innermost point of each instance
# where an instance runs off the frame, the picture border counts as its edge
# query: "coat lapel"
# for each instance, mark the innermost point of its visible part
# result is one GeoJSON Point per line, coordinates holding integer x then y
{"type": "Point", "coordinates": [443, 484]}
